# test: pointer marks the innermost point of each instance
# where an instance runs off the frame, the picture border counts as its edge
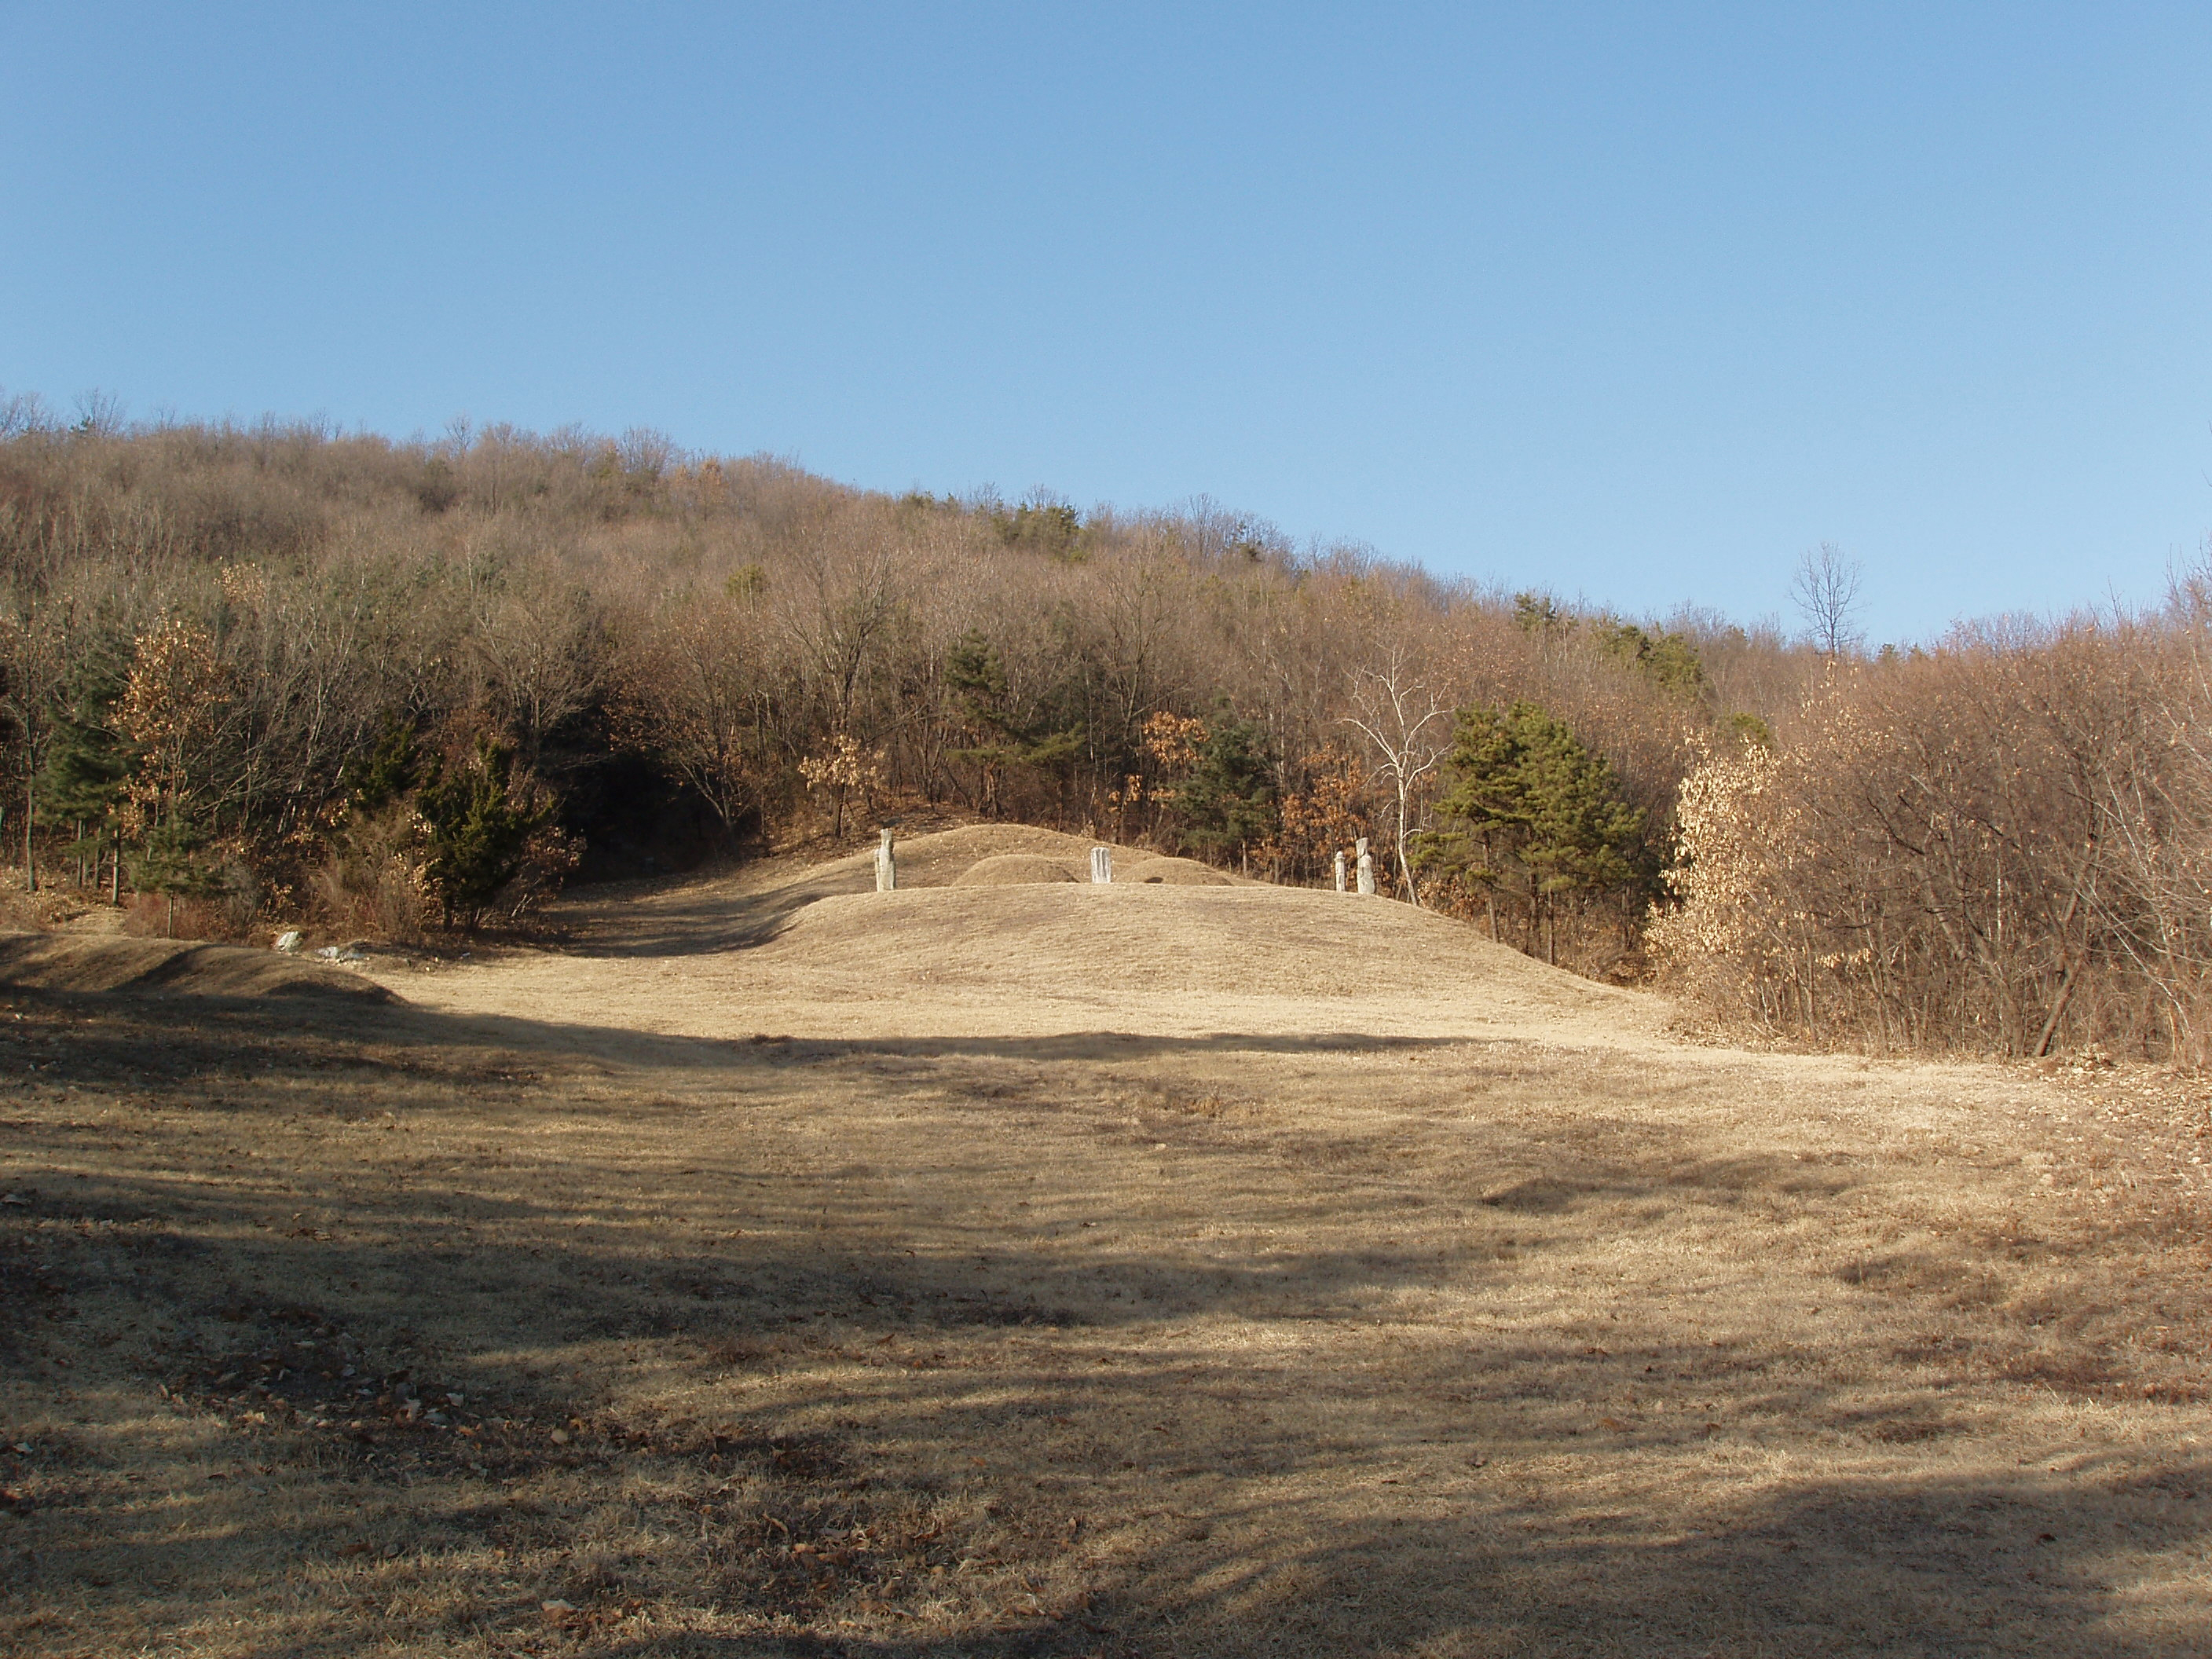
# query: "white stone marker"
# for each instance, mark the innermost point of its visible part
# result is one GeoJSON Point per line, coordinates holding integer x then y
{"type": "Point", "coordinates": [1339, 869]}
{"type": "Point", "coordinates": [1102, 863]}
{"type": "Point", "coordinates": [1366, 866]}
{"type": "Point", "coordinates": [886, 869]}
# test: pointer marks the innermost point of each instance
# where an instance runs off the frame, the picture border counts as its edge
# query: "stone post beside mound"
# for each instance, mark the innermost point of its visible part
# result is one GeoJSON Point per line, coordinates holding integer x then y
{"type": "Point", "coordinates": [886, 867]}
{"type": "Point", "coordinates": [1366, 867]}
{"type": "Point", "coordinates": [1102, 863]}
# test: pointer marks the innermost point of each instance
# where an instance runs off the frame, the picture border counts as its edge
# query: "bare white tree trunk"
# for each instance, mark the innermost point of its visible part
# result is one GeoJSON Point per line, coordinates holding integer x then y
{"type": "Point", "coordinates": [1406, 723]}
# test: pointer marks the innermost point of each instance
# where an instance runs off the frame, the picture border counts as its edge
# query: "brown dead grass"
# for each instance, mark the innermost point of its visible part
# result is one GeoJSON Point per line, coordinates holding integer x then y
{"type": "Point", "coordinates": [1013, 869]}
{"type": "Point", "coordinates": [1062, 1270]}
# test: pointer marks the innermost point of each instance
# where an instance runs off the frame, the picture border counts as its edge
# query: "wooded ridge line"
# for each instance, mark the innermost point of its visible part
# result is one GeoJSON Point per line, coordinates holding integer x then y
{"type": "Point", "coordinates": [281, 676]}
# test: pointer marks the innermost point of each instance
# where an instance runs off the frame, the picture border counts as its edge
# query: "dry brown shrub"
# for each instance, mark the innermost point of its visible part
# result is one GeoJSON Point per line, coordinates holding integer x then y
{"type": "Point", "coordinates": [372, 882]}
{"type": "Point", "coordinates": [151, 915]}
{"type": "Point", "coordinates": [2004, 846]}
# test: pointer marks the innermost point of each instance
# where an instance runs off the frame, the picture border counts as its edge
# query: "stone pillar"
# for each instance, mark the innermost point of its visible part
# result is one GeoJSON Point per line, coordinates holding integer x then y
{"type": "Point", "coordinates": [886, 868]}
{"type": "Point", "coordinates": [1366, 867]}
{"type": "Point", "coordinates": [1339, 869]}
{"type": "Point", "coordinates": [1102, 863]}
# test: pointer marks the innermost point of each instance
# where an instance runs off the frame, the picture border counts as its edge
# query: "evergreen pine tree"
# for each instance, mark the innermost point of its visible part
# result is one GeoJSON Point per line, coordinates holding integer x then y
{"type": "Point", "coordinates": [173, 860]}
{"type": "Point", "coordinates": [1051, 740]}
{"type": "Point", "coordinates": [1530, 807]}
{"type": "Point", "coordinates": [374, 779]}
{"type": "Point", "coordinates": [478, 835]}
{"type": "Point", "coordinates": [86, 768]}
{"type": "Point", "coordinates": [1229, 800]}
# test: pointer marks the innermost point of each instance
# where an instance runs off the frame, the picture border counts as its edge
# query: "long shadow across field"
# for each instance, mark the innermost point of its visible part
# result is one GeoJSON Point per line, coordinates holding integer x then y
{"type": "Point", "coordinates": [694, 921]}
{"type": "Point", "coordinates": [1905, 1569]}
{"type": "Point", "coordinates": [1232, 1531]}
{"type": "Point", "coordinates": [257, 1020]}
{"type": "Point", "coordinates": [1902, 1564]}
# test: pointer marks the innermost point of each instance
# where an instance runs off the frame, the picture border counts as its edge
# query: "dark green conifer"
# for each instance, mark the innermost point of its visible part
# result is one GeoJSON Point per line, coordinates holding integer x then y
{"type": "Point", "coordinates": [173, 861]}
{"type": "Point", "coordinates": [1229, 802]}
{"type": "Point", "coordinates": [479, 834]}
{"type": "Point", "coordinates": [1530, 810]}
{"type": "Point", "coordinates": [87, 766]}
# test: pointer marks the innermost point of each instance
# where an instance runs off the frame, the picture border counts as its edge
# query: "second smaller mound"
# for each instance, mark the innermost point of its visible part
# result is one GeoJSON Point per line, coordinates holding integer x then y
{"type": "Point", "coordinates": [1013, 869]}
{"type": "Point", "coordinates": [1171, 873]}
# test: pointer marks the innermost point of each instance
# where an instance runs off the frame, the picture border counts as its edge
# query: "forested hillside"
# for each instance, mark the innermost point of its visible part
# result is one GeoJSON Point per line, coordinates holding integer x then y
{"type": "Point", "coordinates": [281, 675]}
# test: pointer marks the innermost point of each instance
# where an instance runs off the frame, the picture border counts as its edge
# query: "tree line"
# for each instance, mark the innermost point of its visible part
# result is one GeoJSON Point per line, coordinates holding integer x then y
{"type": "Point", "coordinates": [279, 674]}
{"type": "Point", "coordinates": [278, 671]}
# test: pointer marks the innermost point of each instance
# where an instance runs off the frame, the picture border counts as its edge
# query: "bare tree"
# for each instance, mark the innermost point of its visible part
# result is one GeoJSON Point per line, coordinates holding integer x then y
{"type": "Point", "coordinates": [33, 664]}
{"type": "Point", "coordinates": [536, 641]}
{"type": "Point", "coordinates": [694, 687]}
{"type": "Point", "coordinates": [1825, 591]}
{"type": "Point", "coordinates": [1409, 725]}
{"type": "Point", "coordinates": [851, 587]}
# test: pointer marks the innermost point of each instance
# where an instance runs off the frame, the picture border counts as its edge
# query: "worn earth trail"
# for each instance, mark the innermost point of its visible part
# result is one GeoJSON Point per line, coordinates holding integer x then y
{"type": "Point", "coordinates": [780, 1267]}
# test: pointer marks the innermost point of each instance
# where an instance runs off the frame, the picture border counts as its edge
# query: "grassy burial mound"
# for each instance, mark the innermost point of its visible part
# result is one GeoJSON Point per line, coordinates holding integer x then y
{"type": "Point", "coordinates": [1169, 871]}
{"type": "Point", "coordinates": [1028, 928]}
{"type": "Point", "coordinates": [998, 929]}
{"type": "Point", "coordinates": [1237, 943]}
{"type": "Point", "coordinates": [1013, 869]}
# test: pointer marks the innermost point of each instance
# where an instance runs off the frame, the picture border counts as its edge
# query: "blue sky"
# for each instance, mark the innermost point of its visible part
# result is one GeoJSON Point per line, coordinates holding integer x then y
{"type": "Point", "coordinates": [1636, 301]}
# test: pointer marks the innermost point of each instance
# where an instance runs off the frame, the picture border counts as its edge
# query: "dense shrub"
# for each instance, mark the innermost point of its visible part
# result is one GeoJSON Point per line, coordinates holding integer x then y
{"type": "Point", "coordinates": [2004, 845]}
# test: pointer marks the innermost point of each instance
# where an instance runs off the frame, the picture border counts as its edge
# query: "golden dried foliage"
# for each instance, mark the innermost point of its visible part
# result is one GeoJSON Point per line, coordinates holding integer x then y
{"type": "Point", "coordinates": [1172, 740]}
{"type": "Point", "coordinates": [2003, 847]}
{"type": "Point", "coordinates": [169, 712]}
{"type": "Point", "coordinates": [1332, 810]}
{"type": "Point", "coordinates": [844, 765]}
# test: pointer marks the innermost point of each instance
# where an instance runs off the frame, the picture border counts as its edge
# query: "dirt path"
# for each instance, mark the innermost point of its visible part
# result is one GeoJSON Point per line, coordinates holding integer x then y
{"type": "Point", "coordinates": [1203, 1270]}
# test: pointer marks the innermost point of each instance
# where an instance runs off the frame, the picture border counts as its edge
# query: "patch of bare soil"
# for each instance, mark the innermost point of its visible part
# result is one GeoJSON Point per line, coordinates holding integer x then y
{"type": "Point", "coordinates": [787, 1268]}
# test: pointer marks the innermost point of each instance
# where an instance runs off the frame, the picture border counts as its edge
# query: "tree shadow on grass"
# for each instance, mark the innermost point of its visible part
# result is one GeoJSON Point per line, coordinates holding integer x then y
{"type": "Point", "coordinates": [1921, 1567]}
{"type": "Point", "coordinates": [215, 1035]}
{"type": "Point", "coordinates": [709, 920]}
{"type": "Point", "coordinates": [1042, 1456]}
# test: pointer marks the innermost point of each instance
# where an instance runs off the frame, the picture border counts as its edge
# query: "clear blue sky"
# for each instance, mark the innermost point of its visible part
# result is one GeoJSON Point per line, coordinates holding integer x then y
{"type": "Point", "coordinates": [1637, 302]}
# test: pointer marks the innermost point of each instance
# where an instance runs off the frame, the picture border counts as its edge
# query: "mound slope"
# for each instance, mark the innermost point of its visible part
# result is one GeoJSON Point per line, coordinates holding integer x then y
{"type": "Point", "coordinates": [816, 952]}
{"type": "Point", "coordinates": [51, 962]}
{"type": "Point", "coordinates": [1044, 941]}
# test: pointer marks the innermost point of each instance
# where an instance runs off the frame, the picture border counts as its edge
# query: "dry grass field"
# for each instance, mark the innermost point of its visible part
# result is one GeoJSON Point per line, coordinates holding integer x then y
{"type": "Point", "coordinates": [777, 1267]}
